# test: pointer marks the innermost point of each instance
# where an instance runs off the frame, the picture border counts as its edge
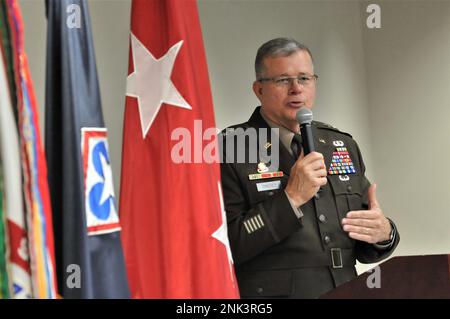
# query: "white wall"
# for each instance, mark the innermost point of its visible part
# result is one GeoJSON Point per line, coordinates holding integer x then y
{"type": "Point", "coordinates": [380, 85]}
{"type": "Point", "coordinates": [408, 67]}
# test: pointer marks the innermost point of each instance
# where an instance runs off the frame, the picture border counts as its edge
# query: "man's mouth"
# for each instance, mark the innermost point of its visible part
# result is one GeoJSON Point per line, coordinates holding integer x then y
{"type": "Point", "coordinates": [296, 104]}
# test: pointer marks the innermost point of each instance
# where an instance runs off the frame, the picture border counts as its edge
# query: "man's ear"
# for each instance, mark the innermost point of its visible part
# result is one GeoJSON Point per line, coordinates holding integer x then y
{"type": "Point", "coordinates": [257, 88]}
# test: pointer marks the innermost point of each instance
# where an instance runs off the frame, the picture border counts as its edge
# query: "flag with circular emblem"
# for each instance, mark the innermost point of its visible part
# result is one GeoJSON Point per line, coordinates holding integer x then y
{"type": "Point", "coordinates": [87, 228]}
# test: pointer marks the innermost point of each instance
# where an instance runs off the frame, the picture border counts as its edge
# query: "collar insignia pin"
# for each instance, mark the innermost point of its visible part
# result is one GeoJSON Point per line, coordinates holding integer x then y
{"type": "Point", "coordinates": [262, 168]}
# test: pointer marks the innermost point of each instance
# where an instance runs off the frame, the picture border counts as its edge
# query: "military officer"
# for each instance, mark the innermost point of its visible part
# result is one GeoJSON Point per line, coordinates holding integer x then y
{"type": "Point", "coordinates": [297, 229]}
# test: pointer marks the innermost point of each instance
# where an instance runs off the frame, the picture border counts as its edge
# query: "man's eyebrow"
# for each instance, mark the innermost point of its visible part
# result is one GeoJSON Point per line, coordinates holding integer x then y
{"type": "Point", "coordinates": [300, 73]}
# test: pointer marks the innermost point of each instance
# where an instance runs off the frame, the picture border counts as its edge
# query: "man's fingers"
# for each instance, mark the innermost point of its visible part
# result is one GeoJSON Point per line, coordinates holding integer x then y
{"type": "Point", "coordinates": [311, 165]}
{"type": "Point", "coordinates": [318, 174]}
{"type": "Point", "coordinates": [302, 155]}
{"type": "Point", "coordinates": [358, 229]}
{"type": "Point", "coordinates": [361, 237]}
{"type": "Point", "coordinates": [311, 157]}
{"type": "Point", "coordinates": [321, 181]}
{"type": "Point", "coordinates": [373, 202]}
{"type": "Point", "coordinates": [363, 214]}
{"type": "Point", "coordinates": [371, 223]}
{"type": "Point", "coordinates": [322, 172]}
{"type": "Point", "coordinates": [316, 165]}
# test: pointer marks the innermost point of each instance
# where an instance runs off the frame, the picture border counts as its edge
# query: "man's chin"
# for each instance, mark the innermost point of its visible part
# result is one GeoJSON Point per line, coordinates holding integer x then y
{"type": "Point", "coordinates": [293, 115]}
{"type": "Point", "coordinates": [291, 122]}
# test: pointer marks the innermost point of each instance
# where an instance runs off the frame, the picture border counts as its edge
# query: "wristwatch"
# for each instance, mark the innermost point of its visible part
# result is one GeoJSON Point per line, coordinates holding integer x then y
{"type": "Point", "coordinates": [391, 236]}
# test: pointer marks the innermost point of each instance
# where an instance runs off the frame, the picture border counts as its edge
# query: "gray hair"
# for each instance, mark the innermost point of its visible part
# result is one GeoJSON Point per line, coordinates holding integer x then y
{"type": "Point", "coordinates": [276, 48]}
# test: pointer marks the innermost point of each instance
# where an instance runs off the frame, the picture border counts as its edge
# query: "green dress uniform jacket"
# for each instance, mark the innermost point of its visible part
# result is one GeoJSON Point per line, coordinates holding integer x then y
{"type": "Point", "coordinates": [277, 254]}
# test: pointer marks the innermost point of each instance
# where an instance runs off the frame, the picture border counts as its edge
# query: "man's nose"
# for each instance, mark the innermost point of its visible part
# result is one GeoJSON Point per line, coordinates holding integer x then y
{"type": "Point", "coordinates": [295, 87]}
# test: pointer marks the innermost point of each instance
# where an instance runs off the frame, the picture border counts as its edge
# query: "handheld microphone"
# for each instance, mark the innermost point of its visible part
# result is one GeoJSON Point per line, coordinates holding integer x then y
{"type": "Point", "coordinates": [304, 117]}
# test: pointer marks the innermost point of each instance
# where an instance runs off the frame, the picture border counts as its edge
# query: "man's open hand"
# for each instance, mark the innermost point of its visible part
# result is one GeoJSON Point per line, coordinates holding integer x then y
{"type": "Point", "coordinates": [368, 225]}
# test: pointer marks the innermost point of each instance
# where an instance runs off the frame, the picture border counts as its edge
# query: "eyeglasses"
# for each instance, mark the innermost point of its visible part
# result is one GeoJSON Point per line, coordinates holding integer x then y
{"type": "Point", "coordinates": [287, 81]}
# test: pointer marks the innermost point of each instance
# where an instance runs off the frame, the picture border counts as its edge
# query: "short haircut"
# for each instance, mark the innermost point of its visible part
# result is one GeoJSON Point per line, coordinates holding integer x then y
{"type": "Point", "coordinates": [276, 48]}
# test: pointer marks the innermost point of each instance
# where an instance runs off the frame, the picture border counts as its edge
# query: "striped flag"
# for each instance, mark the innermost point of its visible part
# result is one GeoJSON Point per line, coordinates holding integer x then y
{"type": "Point", "coordinates": [30, 226]}
{"type": "Point", "coordinates": [4, 283]}
{"type": "Point", "coordinates": [14, 214]}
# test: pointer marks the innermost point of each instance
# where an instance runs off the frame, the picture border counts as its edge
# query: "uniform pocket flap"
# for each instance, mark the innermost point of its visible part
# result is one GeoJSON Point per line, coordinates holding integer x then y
{"type": "Point", "coordinates": [265, 283]}
{"type": "Point", "coordinates": [345, 184]}
{"type": "Point", "coordinates": [260, 190]}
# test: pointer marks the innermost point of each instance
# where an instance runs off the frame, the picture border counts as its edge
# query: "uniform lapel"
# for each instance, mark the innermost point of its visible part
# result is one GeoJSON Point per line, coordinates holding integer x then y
{"type": "Point", "coordinates": [285, 159]}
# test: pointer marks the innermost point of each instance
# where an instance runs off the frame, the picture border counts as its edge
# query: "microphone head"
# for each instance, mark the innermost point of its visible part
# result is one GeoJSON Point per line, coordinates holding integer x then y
{"type": "Point", "coordinates": [304, 116]}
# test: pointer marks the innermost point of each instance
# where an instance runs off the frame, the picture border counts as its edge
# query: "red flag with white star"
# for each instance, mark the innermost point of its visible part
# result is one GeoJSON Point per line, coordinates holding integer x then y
{"type": "Point", "coordinates": [174, 225]}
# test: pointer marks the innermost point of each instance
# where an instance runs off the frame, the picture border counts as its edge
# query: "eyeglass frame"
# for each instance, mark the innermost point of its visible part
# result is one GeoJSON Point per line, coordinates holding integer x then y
{"type": "Point", "coordinates": [277, 79]}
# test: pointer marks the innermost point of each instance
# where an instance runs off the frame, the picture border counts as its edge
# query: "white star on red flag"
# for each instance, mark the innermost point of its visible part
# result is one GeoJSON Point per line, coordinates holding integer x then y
{"type": "Point", "coordinates": [221, 234]}
{"type": "Point", "coordinates": [150, 82]}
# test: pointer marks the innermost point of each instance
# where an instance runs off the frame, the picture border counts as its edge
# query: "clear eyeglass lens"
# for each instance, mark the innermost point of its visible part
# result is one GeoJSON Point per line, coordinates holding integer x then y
{"type": "Point", "coordinates": [303, 80]}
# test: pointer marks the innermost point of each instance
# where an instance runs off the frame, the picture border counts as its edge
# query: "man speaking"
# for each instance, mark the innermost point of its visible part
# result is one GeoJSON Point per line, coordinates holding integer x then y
{"type": "Point", "coordinates": [297, 229]}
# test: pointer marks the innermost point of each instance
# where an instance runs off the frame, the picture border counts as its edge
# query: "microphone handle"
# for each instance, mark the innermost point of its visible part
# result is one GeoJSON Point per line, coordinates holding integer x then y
{"type": "Point", "coordinates": [307, 138]}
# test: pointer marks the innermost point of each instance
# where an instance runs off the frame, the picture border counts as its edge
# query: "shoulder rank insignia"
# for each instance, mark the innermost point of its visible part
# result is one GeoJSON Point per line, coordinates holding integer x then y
{"type": "Point", "coordinates": [341, 163]}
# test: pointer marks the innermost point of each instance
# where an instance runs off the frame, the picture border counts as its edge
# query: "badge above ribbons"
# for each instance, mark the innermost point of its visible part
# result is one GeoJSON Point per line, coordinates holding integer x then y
{"type": "Point", "coordinates": [341, 163]}
{"type": "Point", "coordinates": [100, 206]}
